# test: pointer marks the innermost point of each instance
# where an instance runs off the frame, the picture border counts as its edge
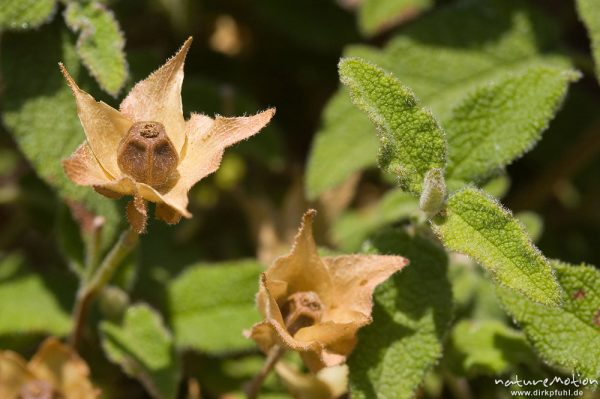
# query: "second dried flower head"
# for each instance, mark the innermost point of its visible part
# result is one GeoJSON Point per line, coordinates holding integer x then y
{"type": "Point", "coordinates": [147, 149]}
{"type": "Point", "coordinates": [315, 305]}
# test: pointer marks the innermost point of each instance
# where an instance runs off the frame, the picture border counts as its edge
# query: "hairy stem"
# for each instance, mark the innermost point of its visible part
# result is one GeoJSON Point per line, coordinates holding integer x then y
{"type": "Point", "coordinates": [253, 388]}
{"type": "Point", "coordinates": [101, 276]}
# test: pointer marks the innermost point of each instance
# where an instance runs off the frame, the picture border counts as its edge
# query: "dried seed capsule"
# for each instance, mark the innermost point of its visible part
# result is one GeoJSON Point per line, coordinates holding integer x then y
{"type": "Point", "coordinates": [147, 154]}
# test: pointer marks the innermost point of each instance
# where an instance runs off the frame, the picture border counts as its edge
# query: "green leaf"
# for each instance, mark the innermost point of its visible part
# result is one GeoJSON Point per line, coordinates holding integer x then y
{"type": "Point", "coordinates": [377, 15]}
{"type": "Point", "coordinates": [353, 227]}
{"type": "Point", "coordinates": [144, 348]}
{"type": "Point", "coordinates": [500, 121]}
{"type": "Point", "coordinates": [40, 113]}
{"type": "Point", "coordinates": [568, 336]}
{"type": "Point", "coordinates": [100, 44]}
{"type": "Point", "coordinates": [463, 46]}
{"type": "Point", "coordinates": [345, 144]}
{"type": "Point", "coordinates": [487, 347]}
{"type": "Point", "coordinates": [25, 14]}
{"type": "Point", "coordinates": [211, 304]}
{"type": "Point", "coordinates": [412, 142]}
{"type": "Point", "coordinates": [29, 302]}
{"type": "Point", "coordinates": [477, 225]}
{"type": "Point", "coordinates": [411, 314]}
{"type": "Point", "coordinates": [589, 12]}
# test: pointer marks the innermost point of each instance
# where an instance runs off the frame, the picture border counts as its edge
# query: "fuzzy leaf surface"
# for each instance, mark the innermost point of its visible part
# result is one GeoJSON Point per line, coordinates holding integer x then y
{"type": "Point", "coordinates": [39, 111]}
{"type": "Point", "coordinates": [25, 14]}
{"type": "Point", "coordinates": [589, 12]}
{"type": "Point", "coordinates": [353, 227]}
{"type": "Point", "coordinates": [377, 15]}
{"type": "Point", "coordinates": [210, 305]}
{"type": "Point", "coordinates": [487, 347]}
{"type": "Point", "coordinates": [144, 348]}
{"type": "Point", "coordinates": [464, 47]}
{"type": "Point", "coordinates": [100, 43]}
{"type": "Point", "coordinates": [40, 309]}
{"type": "Point", "coordinates": [412, 141]}
{"type": "Point", "coordinates": [410, 317]}
{"type": "Point", "coordinates": [478, 226]}
{"type": "Point", "coordinates": [568, 336]}
{"type": "Point", "coordinates": [500, 121]}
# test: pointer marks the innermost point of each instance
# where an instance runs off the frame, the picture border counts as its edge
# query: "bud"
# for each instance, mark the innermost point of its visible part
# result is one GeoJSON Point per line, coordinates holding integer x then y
{"type": "Point", "coordinates": [433, 196]}
{"type": "Point", "coordinates": [147, 154]}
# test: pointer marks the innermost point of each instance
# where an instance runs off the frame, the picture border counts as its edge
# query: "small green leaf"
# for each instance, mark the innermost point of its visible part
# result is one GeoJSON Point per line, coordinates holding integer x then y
{"type": "Point", "coordinates": [377, 15]}
{"type": "Point", "coordinates": [569, 336]}
{"type": "Point", "coordinates": [487, 347]}
{"type": "Point", "coordinates": [500, 121]}
{"type": "Point", "coordinates": [533, 223]}
{"type": "Point", "coordinates": [411, 314]}
{"type": "Point", "coordinates": [100, 44]}
{"type": "Point", "coordinates": [29, 302]}
{"type": "Point", "coordinates": [25, 14]}
{"type": "Point", "coordinates": [144, 348]}
{"type": "Point", "coordinates": [412, 142]}
{"type": "Point", "coordinates": [39, 111]}
{"type": "Point", "coordinates": [210, 305]}
{"type": "Point", "coordinates": [478, 226]}
{"type": "Point", "coordinates": [353, 227]}
{"type": "Point", "coordinates": [589, 12]}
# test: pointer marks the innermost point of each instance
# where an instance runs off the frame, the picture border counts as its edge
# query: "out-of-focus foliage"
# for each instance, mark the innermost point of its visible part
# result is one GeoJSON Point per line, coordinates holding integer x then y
{"type": "Point", "coordinates": [100, 43]}
{"type": "Point", "coordinates": [25, 14]}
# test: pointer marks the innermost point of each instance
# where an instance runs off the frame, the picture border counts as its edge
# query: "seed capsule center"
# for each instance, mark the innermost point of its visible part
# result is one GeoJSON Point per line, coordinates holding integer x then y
{"type": "Point", "coordinates": [147, 155]}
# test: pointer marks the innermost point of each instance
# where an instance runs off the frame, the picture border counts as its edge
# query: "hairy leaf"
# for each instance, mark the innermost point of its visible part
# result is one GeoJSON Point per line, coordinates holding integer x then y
{"type": "Point", "coordinates": [210, 305]}
{"type": "Point", "coordinates": [412, 142]}
{"type": "Point", "coordinates": [39, 307]}
{"type": "Point", "coordinates": [25, 14]}
{"type": "Point", "coordinates": [40, 112]}
{"type": "Point", "coordinates": [377, 15]}
{"type": "Point", "coordinates": [487, 347]}
{"type": "Point", "coordinates": [100, 44]}
{"type": "Point", "coordinates": [568, 336]}
{"type": "Point", "coordinates": [463, 46]}
{"type": "Point", "coordinates": [589, 12]}
{"type": "Point", "coordinates": [500, 121]}
{"type": "Point", "coordinates": [144, 348]}
{"type": "Point", "coordinates": [353, 227]}
{"type": "Point", "coordinates": [411, 314]}
{"type": "Point", "coordinates": [476, 225]}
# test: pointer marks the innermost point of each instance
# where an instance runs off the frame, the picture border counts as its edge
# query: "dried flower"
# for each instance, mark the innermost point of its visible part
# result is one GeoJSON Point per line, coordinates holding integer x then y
{"type": "Point", "coordinates": [147, 149]}
{"type": "Point", "coordinates": [316, 305]}
{"type": "Point", "coordinates": [55, 371]}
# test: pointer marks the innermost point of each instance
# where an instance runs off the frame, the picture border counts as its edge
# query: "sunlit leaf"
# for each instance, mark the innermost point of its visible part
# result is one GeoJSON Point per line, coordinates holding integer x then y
{"type": "Point", "coordinates": [478, 226]}
{"type": "Point", "coordinates": [144, 348]}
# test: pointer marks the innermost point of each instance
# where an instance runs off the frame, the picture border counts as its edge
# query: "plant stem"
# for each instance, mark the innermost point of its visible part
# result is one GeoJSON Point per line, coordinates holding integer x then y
{"type": "Point", "coordinates": [92, 286]}
{"type": "Point", "coordinates": [253, 388]}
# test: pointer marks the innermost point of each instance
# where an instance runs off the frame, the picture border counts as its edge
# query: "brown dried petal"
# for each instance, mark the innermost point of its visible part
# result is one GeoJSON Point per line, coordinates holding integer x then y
{"type": "Point", "coordinates": [207, 140]}
{"type": "Point", "coordinates": [13, 374]}
{"type": "Point", "coordinates": [137, 214]}
{"type": "Point", "coordinates": [83, 168]}
{"type": "Point", "coordinates": [104, 126]}
{"type": "Point", "coordinates": [158, 98]}
{"type": "Point", "coordinates": [355, 277]}
{"type": "Point", "coordinates": [167, 214]}
{"type": "Point", "coordinates": [60, 365]}
{"type": "Point", "coordinates": [303, 269]}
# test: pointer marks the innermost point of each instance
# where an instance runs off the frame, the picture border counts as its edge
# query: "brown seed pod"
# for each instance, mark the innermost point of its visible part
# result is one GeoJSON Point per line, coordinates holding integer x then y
{"type": "Point", "coordinates": [147, 154]}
